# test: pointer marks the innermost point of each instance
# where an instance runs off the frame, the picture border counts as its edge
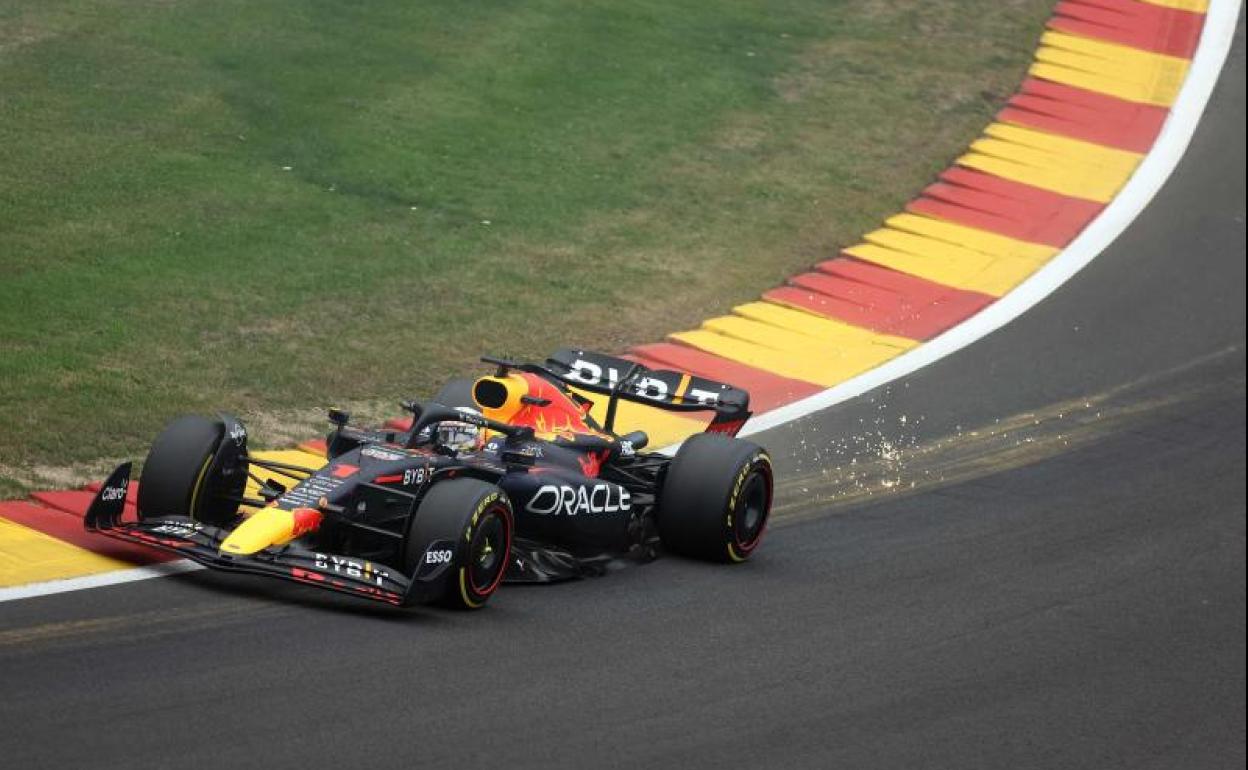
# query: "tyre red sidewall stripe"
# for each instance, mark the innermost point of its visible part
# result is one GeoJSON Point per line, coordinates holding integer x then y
{"type": "Point", "coordinates": [506, 552]}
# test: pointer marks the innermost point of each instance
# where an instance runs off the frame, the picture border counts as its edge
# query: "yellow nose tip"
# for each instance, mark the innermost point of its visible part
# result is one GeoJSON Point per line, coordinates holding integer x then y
{"type": "Point", "coordinates": [266, 527]}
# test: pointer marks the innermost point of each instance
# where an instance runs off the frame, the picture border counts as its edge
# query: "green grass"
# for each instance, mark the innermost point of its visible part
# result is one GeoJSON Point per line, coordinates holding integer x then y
{"type": "Point", "coordinates": [269, 206]}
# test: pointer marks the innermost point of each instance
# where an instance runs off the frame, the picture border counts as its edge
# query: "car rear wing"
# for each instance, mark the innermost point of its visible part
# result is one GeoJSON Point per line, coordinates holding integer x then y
{"type": "Point", "coordinates": [661, 388]}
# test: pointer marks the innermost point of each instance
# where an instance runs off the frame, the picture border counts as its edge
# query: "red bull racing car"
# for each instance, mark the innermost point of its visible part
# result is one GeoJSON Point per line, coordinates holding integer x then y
{"type": "Point", "coordinates": [505, 479]}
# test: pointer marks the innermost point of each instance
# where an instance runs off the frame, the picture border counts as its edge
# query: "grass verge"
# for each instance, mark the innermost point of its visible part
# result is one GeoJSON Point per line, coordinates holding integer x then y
{"type": "Point", "coordinates": [269, 206]}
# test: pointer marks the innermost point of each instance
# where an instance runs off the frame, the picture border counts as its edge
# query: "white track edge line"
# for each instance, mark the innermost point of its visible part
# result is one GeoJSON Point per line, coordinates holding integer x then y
{"type": "Point", "coordinates": [1176, 134]}
{"type": "Point", "coordinates": [31, 590]}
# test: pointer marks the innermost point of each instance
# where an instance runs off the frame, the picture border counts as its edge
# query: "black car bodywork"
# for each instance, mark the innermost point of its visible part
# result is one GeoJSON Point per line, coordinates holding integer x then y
{"type": "Point", "coordinates": [578, 499]}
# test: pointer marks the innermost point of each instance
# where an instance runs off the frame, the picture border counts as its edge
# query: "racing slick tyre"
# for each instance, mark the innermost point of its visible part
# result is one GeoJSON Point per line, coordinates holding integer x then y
{"type": "Point", "coordinates": [715, 499]}
{"type": "Point", "coordinates": [472, 520]}
{"type": "Point", "coordinates": [180, 477]}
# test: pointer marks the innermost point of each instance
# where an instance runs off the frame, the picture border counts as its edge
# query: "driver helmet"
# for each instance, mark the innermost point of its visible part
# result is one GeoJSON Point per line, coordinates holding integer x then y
{"type": "Point", "coordinates": [461, 436]}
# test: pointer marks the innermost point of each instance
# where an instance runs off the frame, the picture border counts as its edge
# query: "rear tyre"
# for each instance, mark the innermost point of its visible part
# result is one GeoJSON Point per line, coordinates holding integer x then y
{"type": "Point", "coordinates": [473, 520]}
{"type": "Point", "coordinates": [716, 498]}
{"type": "Point", "coordinates": [180, 477]}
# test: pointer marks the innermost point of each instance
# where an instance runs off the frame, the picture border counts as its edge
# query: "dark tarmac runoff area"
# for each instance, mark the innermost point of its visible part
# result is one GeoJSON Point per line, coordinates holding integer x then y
{"type": "Point", "coordinates": [1029, 554]}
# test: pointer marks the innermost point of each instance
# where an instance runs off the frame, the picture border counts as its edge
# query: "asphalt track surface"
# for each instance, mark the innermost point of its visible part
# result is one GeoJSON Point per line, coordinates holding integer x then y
{"type": "Point", "coordinates": [1041, 565]}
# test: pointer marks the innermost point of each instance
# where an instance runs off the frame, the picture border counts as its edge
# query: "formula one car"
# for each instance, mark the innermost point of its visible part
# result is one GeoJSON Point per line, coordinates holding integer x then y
{"type": "Point", "coordinates": [508, 478]}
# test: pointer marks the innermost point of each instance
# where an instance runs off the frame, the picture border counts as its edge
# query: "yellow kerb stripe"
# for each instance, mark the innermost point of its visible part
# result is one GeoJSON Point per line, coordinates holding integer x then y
{"type": "Point", "coordinates": [971, 237]}
{"type": "Point", "coordinates": [802, 326]}
{"type": "Point", "coordinates": [29, 556]}
{"type": "Point", "coordinates": [1196, 6]}
{"type": "Point", "coordinates": [1109, 68]}
{"type": "Point", "coordinates": [1063, 165]}
{"type": "Point", "coordinates": [952, 254]}
{"type": "Point", "coordinates": [794, 343]}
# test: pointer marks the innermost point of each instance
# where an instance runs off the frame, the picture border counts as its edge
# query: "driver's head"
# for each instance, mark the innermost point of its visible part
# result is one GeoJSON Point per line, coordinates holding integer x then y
{"type": "Point", "coordinates": [461, 436]}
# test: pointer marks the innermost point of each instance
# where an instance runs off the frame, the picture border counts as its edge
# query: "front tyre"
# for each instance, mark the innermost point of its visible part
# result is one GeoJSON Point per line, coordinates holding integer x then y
{"type": "Point", "coordinates": [182, 476]}
{"type": "Point", "coordinates": [473, 520]}
{"type": "Point", "coordinates": [715, 499]}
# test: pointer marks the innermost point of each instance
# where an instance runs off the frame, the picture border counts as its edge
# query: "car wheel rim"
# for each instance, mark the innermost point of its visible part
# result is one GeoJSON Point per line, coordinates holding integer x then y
{"type": "Point", "coordinates": [751, 515]}
{"type": "Point", "coordinates": [487, 554]}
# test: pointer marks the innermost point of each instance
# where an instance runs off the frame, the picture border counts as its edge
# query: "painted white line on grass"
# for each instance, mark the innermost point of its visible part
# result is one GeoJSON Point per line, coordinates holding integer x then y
{"type": "Point", "coordinates": [1215, 44]}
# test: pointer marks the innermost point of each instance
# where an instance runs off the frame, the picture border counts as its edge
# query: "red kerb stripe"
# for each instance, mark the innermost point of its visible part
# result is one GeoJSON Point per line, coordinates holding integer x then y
{"type": "Point", "coordinates": [767, 390]}
{"type": "Point", "coordinates": [1156, 28]}
{"type": "Point", "coordinates": [69, 529]}
{"type": "Point", "coordinates": [880, 299]}
{"type": "Point", "coordinates": [1086, 115]}
{"type": "Point", "coordinates": [1002, 206]}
